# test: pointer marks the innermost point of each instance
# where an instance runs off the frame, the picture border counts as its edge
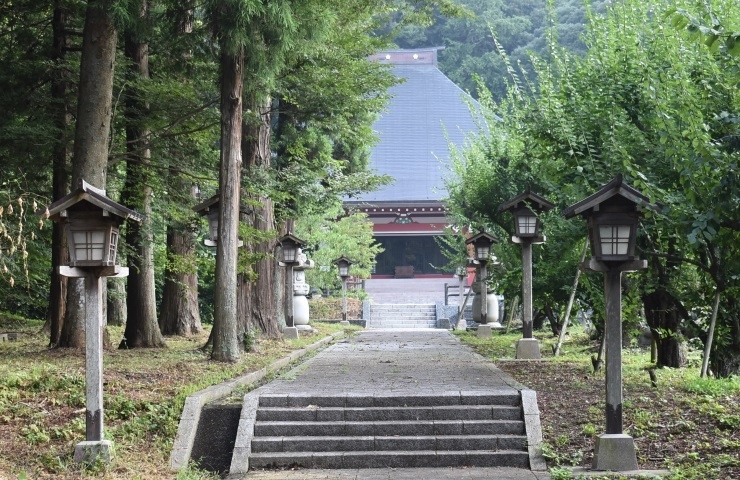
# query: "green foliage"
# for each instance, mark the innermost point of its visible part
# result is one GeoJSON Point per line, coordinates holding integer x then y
{"type": "Point", "coordinates": [643, 101]}
{"type": "Point", "coordinates": [714, 387]}
{"type": "Point", "coordinates": [329, 236]}
{"type": "Point", "coordinates": [193, 472]}
{"type": "Point", "coordinates": [521, 28]}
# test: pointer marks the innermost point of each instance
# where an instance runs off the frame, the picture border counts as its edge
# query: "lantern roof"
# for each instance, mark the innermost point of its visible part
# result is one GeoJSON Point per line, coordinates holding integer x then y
{"type": "Point", "coordinates": [616, 194]}
{"type": "Point", "coordinates": [58, 211]}
{"type": "Point", "coordinates": [205, 206]}
{"type": "Point", "coordinates": [343, 259]}
{"type": "Point", "coordinates": [481, 235]}
{"type": "Point", "coordinates": [289, 237]}
{"type": "Point", "coordinates": [529, 199]}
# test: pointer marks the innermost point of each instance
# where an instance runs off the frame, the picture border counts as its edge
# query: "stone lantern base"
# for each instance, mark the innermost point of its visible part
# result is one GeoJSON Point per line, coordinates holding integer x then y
{"type": "Point", "coordinates": [92, 451]}
{"type": "Point", "coordinates": [528, 349]}
{"type": "Point", "coordinates": [290, 332]}
{"type": "Point", "coordinates": [615, 452]}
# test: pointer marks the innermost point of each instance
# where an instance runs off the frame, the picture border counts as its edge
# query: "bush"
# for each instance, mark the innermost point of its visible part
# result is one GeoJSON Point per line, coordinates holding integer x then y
{"type": "Point", "coordinates": [331, 308]}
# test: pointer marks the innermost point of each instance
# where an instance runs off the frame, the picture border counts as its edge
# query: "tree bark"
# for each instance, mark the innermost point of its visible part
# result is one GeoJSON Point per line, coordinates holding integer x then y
{"type": "Point", "coordinates": [92, 132]}
{"type": "Point", "coordinates": [60, 178]}
{"type": "Point", "coordinates": [725, 355]}
{"type": "Point", "coordinates": [142, 327]}
{"type": "Point", "coordinates": [226, 345]}
{"type": "Point", "coordinates": [179, 312]}
{"type": "Point", "coordinates": [664, 314]}
{"type": "Point", "coordinates": [116, 301]}
{"type": "Point", "coordinates": [257, 305]}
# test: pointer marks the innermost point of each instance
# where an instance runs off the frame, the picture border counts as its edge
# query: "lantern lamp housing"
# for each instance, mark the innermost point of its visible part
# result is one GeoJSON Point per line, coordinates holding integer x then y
{"type": "Point", "coordinates": [92, 239]}
{"type": "Point", "coordinates": [612, 214]}
{"type": "Point", "coordinates": [91, 222]}
{"type": "Point", "coordinates": [612, 235]}
{"type": "Point", "coordinates": [213, 224]}
{"type": "Point", "coordinates": [290, 245]}
{"type": "Point", "coordinates": [527, 223]}
{"type": "Point", "coordinates": [526, 209]}
{"type": "Point", "coordinates": [482, 245]}
{"type": "Point", "coordinates": [343, 265]}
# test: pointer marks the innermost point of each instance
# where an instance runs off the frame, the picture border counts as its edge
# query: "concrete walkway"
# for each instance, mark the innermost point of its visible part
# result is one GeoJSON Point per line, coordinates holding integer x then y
{"type": "Point", "coordinates": [400, 362]}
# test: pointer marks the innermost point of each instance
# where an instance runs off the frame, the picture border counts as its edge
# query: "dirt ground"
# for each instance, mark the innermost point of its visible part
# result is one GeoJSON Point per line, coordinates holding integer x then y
{"type": "Point", "coordinates": [670, 427]}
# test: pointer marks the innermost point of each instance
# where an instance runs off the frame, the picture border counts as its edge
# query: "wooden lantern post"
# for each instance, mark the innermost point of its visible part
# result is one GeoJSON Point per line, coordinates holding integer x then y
{"type": "Point", "coordinates": [526, 209]}
{"type": "Point", "coordinates": [91, 221]}
{"type": "Point", "coordinates": [612, 214]}
{"type": "Point", "coordinates": [482, 253]}
{"type": "Point", "coordinates": [343, 265]}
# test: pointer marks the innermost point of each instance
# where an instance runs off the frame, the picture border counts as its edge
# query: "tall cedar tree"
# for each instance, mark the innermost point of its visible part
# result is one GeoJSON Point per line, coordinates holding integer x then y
{"type": "Point", "coordinates": [142, 327]}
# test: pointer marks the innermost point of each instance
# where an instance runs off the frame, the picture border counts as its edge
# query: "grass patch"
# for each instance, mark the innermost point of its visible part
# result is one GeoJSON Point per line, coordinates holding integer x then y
{"type": "Point", "coordinates": [42, 401]}
{"type": "Point", "coordinates": [686, 424]}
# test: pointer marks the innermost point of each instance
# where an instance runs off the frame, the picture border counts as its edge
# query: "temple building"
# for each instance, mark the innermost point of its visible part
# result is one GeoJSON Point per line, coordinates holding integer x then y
{"type": "Point", "coordinates": [427, 113]}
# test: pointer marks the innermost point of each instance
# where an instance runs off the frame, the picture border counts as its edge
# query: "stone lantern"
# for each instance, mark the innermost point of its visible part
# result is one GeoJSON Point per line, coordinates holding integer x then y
{"type": "Point", "coordinates": [290, 246]}
{"type": "Point", "coordinates": [526, 209]}
{"type": "Point", "coordinates": [300, 291]}
{"type": "Point", "coordinates": [612, 215]}
{"type": "Point", "coordinates": [91, 221]}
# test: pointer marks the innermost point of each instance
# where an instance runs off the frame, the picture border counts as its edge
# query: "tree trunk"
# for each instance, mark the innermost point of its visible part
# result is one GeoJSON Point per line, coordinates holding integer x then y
{"type": "Point", "coordinates": [725, 355]}
{"type": "Point", "coordinates": [94, 107]}
{"type": "Point", "coordinates": [60, 180]}
{"type": "Point", "coordinates": [226, 345]}
{"type": "Point", "coordinates": [116, 300]}
{"type": "Point", "coordinates": [179, 313]}
{"type": "Point", "coordinates": [664, 314]}
{"type": "Point", "coordinates": [142, 327]}
{"type": "Point", "coordinates": [257, 306]}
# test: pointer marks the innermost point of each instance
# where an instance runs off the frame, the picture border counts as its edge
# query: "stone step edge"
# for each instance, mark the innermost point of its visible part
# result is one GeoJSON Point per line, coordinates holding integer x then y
{"type": "Point", "coordinates": [400, 437]}
{"type": "Point", "coordinates": [384, 422]}
{"type": "Point", "coordinates": [438, 412]}
{"type": "Point", "coordinates": [393, 459]}
{"type": "Point", "coordinates": [386, 428]}
{"type": "Point", "coordinates": [506, 398]}
{"type": "Point", "coordinates": [388, 452]}
{"type": "Point", "coordinates": [278, 444]}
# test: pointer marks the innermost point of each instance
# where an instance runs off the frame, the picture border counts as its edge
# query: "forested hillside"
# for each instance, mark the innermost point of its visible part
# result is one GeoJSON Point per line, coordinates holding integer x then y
{"type": "Point", "coordinates": [520, 28]}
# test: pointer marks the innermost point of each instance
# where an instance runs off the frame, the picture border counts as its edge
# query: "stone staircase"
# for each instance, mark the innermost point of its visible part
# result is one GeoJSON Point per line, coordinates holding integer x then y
{"type": "Point", "coordinates": [403, 316]}
{"type": "Point", "coordinates": [480, 429]}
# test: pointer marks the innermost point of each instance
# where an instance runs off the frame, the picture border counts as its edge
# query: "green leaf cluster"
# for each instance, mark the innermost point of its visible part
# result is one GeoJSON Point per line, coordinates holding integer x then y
{"type": "Point", "coordinates": [646, 101]}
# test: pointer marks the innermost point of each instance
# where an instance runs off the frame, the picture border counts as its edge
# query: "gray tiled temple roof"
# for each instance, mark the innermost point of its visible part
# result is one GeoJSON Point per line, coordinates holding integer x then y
{"type": "Point", "coordinates": [426, 112]}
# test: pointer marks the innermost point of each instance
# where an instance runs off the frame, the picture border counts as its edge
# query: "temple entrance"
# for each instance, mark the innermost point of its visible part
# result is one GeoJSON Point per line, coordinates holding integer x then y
{"type": "Point", "coordinates": [409, 256]}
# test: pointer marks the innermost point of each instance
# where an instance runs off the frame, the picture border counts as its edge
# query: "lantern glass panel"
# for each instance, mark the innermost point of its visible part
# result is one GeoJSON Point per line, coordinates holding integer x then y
{"type": "Point", "coordinates": [289, 252]}
{"type": "Point", "coordinates": [113, 247]}
{"type": "Point", "coordinates": [213, 225]}
{"type": "Point", "coordinates": [89, 245]}
{"type": "Point", "coordinates": [527, 224]}
{"type": "Point", "coordinates": [343, 269]}
{"type": "Point", "coordinates": [482, 251]}
{"type": "Point", "coordinates": [614, 239]}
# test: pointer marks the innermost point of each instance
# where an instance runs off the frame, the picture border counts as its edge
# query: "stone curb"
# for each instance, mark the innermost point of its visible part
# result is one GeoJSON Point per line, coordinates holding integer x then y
{"type": "Point", "coordinates": [534, 430]}
{"type": "Point", "coordinates": [532, 425]}
{"type": "Point", "coordinates": [188, 426]}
